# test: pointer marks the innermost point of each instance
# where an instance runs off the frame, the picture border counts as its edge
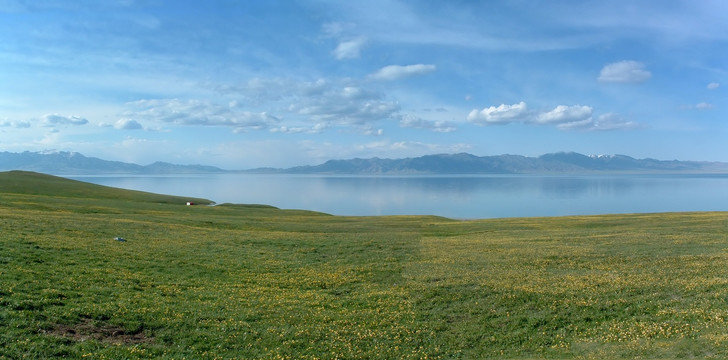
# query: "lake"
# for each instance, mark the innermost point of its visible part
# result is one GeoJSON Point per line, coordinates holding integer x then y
{"type": "Point", "coordinates": [462, 197]}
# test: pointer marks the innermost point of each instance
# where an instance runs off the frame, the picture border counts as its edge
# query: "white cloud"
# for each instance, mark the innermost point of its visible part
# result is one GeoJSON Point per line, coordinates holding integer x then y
{"type": "Point", "coordinates": [369, 131]}
{"type": "Point", "coordinates": [349, 49]}
{"type": "Point", "coordinates": [626, 71]}
{"type": "Point", "coordinates": [333, 29]}
{"type": "Point", "coordinates": [348, 105]}
{"type": "Point", "coordinates": [127, 124]}
{"type": "Point", "coordinates": [703, 106]}
{"type": "Point", "coordinates": [53, 119]}
{"type": "Point", "coordinates": [699, 106]}
{"type": "Point", "coordinates": [353, 92]}
{"type": "Point", "coordinates": [502, 114]}
{"type": "Point", "coordinates": [323, 103]}
{"type": "Point", "coordinates": [586, 124]}
{"type": "Point", "coordinates": [197, 113]}
{"type": "Point", "coordinates": [564, 117]}
{"type": "Point", "coordinates": [713, 86]}
{"type": "Point", "coordinates": [565, 114]}
{"type": "Point", "coordinates": [331, 102]}
{"type": "Point", "coordinates": [605, 122]}
{"type": "Point", "coordinates": [15, 124]}
{"type": "Point", "coordinates": [411, 121]}
{"type": "Point", "coordinates": [611, 121]}
{"type": "Point", "coordinates": [395, 72]}
{"type": "Point", "coordinates": [258, 91]}
{"type": "Point", "coordinates": [316, 129]}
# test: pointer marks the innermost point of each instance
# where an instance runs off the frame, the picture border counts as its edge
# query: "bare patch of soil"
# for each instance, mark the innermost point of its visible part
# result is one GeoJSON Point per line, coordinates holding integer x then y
{"type": "Point", "coordinates": [88, 329]}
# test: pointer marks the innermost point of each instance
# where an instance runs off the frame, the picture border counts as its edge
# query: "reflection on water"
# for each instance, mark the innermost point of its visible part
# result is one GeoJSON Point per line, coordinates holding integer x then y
{"type": "Point", "coordinates": [568, 187]}
{"type": "Point", "coordinates": [451, 196]}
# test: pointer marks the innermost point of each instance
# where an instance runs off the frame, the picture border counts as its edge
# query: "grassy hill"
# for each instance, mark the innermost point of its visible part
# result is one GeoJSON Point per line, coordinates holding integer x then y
{"type": "Point", "coordinates": [32, 183]}
{"type": "Point", "coordinates": [250, 281]}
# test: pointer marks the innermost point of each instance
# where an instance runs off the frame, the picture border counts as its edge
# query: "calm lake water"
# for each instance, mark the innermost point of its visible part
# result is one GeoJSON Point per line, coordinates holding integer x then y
{"type": "Point", "coordinates": [463, 197]}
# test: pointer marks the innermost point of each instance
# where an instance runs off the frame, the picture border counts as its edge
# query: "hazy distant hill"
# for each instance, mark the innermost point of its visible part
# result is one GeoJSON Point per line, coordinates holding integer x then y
{"type": "Point", "coordinates": [72, 163]}
{"type": "Point", "coordinates": [504, 164]}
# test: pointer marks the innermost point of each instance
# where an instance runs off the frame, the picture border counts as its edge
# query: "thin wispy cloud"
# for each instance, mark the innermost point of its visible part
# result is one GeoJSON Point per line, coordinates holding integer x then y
{"type": "Point", "coordinates": [15, 124]}
{"type": "Point", "coordinates": [196, 113]}
{"type": "Point", "coordinates": [627, 71]}
{"type": "Point", "coordinates": [349, 49]}
{"type": "Point", "coordinates": [326, 103]}
{"type": "Point", "coordinates": [703, 106]}
{"type": "Point", "coordinates": [54, 120]}
{"type": "Point", "coordinates": [396, 72]}
{"type": "Point", "coordinates": [415, 122]}
{"type": "Point", "coordinates": [315, 129]}
{"type": "Point", "coordinates": [604, 122]}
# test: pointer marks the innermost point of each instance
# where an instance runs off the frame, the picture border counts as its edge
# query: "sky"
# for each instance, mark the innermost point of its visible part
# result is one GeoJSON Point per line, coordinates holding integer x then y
{"type": "Point", "coordinates": [247, 84]}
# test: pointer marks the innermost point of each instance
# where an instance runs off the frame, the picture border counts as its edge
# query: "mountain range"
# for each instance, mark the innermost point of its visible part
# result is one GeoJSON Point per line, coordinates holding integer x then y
{"type": "Point", "coordinates": [67, 163]}
{"type": "Point", "coordinates": [463, 163]}
{"type": "Point", "coordinates": [73, 163]}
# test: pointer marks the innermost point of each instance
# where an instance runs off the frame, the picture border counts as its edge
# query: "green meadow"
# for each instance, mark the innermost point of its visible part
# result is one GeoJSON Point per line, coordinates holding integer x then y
{"type": "Point", "coordinates": [257, 282]}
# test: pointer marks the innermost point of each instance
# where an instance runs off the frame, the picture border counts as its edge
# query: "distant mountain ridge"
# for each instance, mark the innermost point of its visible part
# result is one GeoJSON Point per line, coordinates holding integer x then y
{"type": "Point", "coordinates": [464, 163]}
{"type": "Point", "coordinates": [72, 163]}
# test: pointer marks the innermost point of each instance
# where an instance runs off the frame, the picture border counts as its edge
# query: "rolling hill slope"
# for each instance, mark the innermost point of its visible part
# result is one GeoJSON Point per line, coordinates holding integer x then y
{"type": "Point", "coordinates": [32, 183]}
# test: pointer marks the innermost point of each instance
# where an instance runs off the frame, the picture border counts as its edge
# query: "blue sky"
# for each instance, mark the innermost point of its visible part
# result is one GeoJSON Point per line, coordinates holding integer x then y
{"type": "Point", "coordinates": [243, 84]}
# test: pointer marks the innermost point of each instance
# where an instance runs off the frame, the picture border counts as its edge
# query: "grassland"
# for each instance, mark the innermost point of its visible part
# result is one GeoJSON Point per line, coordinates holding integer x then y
{"type": "Point", "coordinates": [237, 281]}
